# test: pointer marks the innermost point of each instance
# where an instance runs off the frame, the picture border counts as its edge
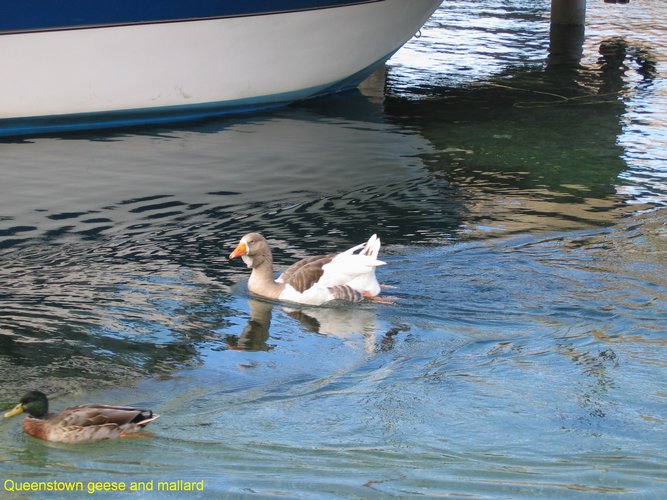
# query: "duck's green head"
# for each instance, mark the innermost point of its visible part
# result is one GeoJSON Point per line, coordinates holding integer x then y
{"type": "Point", "coordinates": [34, 404]}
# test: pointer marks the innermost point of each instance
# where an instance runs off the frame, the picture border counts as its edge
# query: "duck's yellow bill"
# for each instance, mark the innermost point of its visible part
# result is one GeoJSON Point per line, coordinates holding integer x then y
{"type": "Point", "coordinates": [17, 410]}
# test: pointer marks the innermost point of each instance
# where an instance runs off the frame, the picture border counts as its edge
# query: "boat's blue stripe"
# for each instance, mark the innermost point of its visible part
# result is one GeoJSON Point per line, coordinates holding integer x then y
{"type": "Point", "coordinates": [35, 15]}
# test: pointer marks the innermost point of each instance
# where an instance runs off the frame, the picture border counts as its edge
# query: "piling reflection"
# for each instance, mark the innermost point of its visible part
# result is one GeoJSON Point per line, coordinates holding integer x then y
{"type": "Point", "coordinates": [566, 45]}
{"type": "Point", "coordinates": [531, 143]}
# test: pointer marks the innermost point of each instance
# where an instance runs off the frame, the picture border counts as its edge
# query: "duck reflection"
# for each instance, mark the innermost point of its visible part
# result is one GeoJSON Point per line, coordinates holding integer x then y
{"type": "Point", "coordinates": [598, 381]}
{"type": "Point", "coordinates": [348, 323]}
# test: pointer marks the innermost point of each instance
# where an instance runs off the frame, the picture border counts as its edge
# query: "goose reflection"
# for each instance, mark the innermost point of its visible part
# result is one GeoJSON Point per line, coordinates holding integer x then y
{"type": "Point", "coordinates": [255, 334]}
{"type": "Point", "coordinates": [347, 323]}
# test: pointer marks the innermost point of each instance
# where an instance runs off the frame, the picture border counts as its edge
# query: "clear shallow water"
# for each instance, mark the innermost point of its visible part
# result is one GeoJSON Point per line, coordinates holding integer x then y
{"type": "Point", "coordinates": [525, 235]}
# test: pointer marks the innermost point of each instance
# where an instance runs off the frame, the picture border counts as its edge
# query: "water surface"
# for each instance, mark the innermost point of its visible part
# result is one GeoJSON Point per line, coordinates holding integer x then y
{"type": "Point", "coordinates": [522, 212]}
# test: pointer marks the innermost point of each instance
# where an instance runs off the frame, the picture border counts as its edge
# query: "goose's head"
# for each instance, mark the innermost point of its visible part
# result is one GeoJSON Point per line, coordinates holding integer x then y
{"type": "Point", "coordinates": [253, 249]}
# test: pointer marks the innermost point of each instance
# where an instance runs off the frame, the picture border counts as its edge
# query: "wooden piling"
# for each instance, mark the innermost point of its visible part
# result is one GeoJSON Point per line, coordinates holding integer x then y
{"type": "Point", "coordinates": [566, 37]}
{"type": "Point", "coordinates": [568, 12]}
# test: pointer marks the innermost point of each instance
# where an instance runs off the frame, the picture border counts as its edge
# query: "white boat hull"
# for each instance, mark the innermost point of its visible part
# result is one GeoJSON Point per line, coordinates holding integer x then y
{"type": "Point", "coordinates": [150, 73]}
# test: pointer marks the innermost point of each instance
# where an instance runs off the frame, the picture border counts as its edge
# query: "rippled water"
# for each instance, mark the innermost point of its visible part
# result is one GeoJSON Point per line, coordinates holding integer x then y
{"type": "Point", "coordinates": [522, 211]}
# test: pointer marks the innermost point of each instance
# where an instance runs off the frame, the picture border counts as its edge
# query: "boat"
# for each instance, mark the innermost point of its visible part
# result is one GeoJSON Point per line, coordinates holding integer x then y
{"type": "Point", "coordinates": [92, 64]}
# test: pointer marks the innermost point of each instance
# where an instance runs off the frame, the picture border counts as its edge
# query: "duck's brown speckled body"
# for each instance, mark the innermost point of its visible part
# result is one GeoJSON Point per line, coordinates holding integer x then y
{"type": "Point", "coordinates": [79, 424]}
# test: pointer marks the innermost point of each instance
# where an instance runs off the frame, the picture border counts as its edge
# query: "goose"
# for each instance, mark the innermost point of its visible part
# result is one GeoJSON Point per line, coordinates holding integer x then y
{"type": "Point", "coordinates": [347, 276]}
{"type": "Point", "coordinates": [79, 424]}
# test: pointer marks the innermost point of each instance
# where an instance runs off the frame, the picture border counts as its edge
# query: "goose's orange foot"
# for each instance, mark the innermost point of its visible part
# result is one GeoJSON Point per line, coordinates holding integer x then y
{"type": "Point", "coordinates": [390, 301]}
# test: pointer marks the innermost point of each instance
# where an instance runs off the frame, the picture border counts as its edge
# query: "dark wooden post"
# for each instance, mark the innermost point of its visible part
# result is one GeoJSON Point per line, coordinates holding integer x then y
{"type": "Point", "coordinates": [566, 37]}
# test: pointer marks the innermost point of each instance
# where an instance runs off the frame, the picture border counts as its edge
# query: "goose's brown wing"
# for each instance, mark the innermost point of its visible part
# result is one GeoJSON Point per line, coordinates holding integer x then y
{"type": "Point", "coordinates": [305, 273]}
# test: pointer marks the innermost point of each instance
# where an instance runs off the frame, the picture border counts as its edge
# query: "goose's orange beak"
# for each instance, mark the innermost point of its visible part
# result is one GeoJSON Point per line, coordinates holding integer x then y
{"type": "Point", "coordinates": [241, 249]}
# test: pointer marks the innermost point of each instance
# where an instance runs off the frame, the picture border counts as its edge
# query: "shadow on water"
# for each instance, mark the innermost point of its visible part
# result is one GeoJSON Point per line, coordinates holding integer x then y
{"type": "Point", "coordinates": [531, 142]}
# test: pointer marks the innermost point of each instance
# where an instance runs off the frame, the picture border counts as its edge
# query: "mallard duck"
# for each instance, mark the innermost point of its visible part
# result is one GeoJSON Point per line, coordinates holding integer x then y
{"type": "Point", "coordinates": [79, 424]}
{"type": "Point", "coordinates": [348, 276]}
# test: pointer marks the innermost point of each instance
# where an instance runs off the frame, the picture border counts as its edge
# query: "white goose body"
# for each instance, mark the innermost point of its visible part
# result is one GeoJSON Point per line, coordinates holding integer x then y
{"type": "Point", "coordinates": [348, 276]}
